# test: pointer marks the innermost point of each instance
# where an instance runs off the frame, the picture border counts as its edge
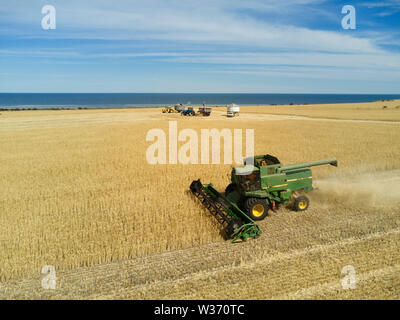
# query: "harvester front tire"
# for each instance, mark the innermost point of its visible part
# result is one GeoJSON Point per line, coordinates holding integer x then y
{"type": "Point", "coordinates": [256, 208]}
{"type": "Point", "coordinates": [301, 203]}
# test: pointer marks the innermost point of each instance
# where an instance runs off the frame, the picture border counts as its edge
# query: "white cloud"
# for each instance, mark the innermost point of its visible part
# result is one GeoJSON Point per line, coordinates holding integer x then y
{"type": "Point", "coordinates": [389, 7]}
{"type": "Point", "coordinates": [367, 61]}
{"type": "Point", "coordinates": [189, 21]}
{"type": "Point", "coordinates": [198, 32]}
{"type": "Point", "coordinates": [380, 4]}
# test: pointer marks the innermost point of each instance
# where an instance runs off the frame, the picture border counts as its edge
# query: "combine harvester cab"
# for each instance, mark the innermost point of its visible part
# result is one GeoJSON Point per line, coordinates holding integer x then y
{"type": "Point", "coordinates": [258, 186]}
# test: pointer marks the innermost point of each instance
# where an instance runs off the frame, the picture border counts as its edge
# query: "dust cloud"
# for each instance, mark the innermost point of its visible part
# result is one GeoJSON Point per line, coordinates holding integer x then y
{"type": "Point", "coordinates": [374, 189]}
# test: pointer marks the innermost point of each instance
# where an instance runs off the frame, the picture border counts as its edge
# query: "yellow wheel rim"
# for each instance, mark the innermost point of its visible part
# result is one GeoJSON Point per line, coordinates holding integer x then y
{"type": "Point", "coordinates": [302, 204]}
{"type": "Point", "coordinates": [258, 210]}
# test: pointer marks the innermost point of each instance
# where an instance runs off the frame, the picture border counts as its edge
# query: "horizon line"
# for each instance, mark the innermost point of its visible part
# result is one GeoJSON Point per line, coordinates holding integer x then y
{"type": "Point", "coordinates": [236, 93]}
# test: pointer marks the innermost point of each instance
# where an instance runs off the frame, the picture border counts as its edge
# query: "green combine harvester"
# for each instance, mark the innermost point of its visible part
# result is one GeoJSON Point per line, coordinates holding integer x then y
{"type": "Point", "coordinates": [260, 185]}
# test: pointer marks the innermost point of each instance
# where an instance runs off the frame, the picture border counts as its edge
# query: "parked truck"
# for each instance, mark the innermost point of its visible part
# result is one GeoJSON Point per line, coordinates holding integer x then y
{"type": "Point", "coordinates": [232, 110]}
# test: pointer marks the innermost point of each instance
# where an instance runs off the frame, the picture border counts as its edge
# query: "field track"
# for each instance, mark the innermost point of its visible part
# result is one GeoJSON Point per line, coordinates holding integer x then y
{"type": "Point", "coordinates": [108, 117]}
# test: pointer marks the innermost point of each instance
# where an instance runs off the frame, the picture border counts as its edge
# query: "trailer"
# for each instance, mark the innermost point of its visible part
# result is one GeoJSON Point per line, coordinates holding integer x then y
{"type": "Point", "coordinates": [205, 111]}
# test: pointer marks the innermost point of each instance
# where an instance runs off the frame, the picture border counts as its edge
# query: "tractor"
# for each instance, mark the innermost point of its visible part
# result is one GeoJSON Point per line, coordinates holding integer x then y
{"type": "Point", "coordinates": [168, 109]}
{"type": "Point", "coordinates": [188, 112]}
{"type": "Point", "coordinates": [260, 185]}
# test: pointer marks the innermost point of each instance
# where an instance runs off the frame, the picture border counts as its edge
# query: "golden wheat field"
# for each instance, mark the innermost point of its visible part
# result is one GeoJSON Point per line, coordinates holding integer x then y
{"type": "Point", "coordinates": [78, 194]}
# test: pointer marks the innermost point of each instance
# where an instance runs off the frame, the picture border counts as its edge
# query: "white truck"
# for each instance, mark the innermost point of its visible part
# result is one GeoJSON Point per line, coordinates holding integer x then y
{"type": "Point", "coordinates": [232, 110]}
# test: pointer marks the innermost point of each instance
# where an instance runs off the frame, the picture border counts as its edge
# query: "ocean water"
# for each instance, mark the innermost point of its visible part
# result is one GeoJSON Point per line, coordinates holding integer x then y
{"type": "Point", "coordinates": [138, 100]}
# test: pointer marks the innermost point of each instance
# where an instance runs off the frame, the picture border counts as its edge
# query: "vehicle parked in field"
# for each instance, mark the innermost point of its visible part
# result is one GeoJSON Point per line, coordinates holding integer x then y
{"type": "Point", "coordinates": [232, 110]}
{"type": "Point", "coordinates": [205, 111]}
{"type": "Point", "coordinates": [188, 112]}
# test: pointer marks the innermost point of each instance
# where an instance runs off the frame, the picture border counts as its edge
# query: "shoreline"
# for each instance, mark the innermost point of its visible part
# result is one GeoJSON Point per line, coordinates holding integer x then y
{"type": "Point", "coordinates": [3, 109]}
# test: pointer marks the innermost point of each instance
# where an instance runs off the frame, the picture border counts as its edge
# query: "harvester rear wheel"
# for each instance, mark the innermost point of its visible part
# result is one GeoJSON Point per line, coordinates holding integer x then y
{"type": "Point", "coordinates": [256, 209]}
{"type": "Point", "coordinates": [301, 203]}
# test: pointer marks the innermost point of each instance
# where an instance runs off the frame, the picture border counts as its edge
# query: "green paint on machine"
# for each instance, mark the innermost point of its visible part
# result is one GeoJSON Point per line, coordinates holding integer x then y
{"type": "Point", "coordinates": [258, 186]}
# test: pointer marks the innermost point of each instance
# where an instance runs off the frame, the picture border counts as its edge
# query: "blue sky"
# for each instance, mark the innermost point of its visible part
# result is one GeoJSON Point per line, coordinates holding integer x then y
{"type": "Point", "coordinates": [255, 46]}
